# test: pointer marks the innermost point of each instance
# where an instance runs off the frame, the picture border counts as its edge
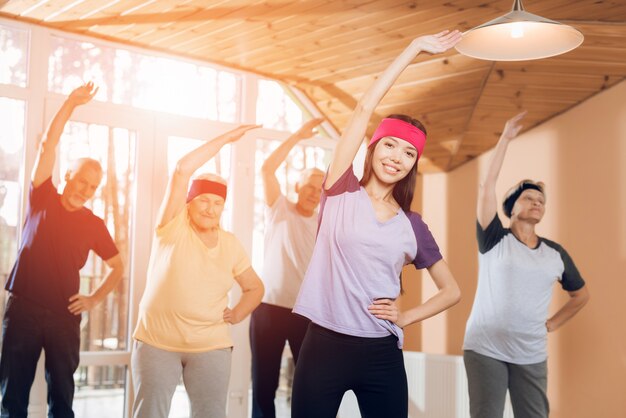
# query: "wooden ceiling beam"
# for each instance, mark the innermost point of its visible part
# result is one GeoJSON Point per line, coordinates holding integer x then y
{"type": "Point", "coordinates": [332, 50]}
{"type": "Point", "coordinates": [317, 29]}
{"type": "Point", "coordinates": [434, 69]}
{"type": "Point", "coordinates": [253, 27]}
{"type": "Point", "coordinates": [470, 116]}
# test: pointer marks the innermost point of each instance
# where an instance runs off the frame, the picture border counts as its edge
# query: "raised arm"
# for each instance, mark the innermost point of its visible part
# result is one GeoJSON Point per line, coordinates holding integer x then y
{"type": "Point", "coordinates": [276, 158]}
{"type": "Point", "coordinates": [354, 132]}
{"type": "Point", "coordinates": [487, 202]}
{"type": "Point", "coordinates": [44, 164]}
{"type": "Point", "coordinates": [176, 193]}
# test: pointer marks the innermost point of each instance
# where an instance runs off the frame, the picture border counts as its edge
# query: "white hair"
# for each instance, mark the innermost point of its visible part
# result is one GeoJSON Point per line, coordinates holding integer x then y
{"type": "Point", "coordinates": [211, 177]}
{"type": "Point", "coordinates": [306, 175]}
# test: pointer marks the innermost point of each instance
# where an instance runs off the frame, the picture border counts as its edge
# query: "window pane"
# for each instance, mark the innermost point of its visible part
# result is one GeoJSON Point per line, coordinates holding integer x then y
{"type": "Point", "coordinates": [220, 164]}
{"type": "Point", "coordinates": [106, 326]}
{"type": "Point", "coordinates": [228, 92]}
{"type": "Point", "coordinates": [145, 81]}
{"type": "Point", "coordinates": [13, 56]}
{"type": "Point", "coordinates": [99, 391]}
{"type": "Point", "coordinates": [275, 109]}
{"type": "Point", "coordinates": [11, 162]}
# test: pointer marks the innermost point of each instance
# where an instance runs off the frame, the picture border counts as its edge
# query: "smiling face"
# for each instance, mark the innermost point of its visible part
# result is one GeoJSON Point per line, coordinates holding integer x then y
{"type": "Point", "coordinates": [529, 206]}
{"type": "Point", "coordinates": [393, 159]}
{"type": "Point", "coordinates": [205, 211]}
{"type": "Point", "coordinates": [81, 184]}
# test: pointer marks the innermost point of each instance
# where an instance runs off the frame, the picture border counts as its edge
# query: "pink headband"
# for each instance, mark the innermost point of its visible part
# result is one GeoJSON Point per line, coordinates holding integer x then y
{"type": "Point", "coordinates": [400, 129]}
{"type": "Point", "coordinates": [201, 186]}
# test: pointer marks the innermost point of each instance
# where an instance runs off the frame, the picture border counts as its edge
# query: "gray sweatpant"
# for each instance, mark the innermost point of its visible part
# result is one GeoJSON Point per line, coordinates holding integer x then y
{"type": "Point", "coordinates": [156, 374]}
{"type": "Point", "coordinates": [488, 380]}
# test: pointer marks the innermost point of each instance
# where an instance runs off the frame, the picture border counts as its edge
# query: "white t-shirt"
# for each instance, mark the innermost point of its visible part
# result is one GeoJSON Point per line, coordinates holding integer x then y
{"type": "Point", "coordinates": [515, 285]}
{"type": "Point", "coordinates": [289, 242]}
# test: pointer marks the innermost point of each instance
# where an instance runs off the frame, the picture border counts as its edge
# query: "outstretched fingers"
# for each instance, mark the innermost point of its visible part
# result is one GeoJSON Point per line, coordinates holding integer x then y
{"type": "Point", "coordinates": [442, 33]}
{"type": "Point", "coordinates": [440, 42]}
{"type": "Point", "coordinates": [519, 116]}
{"type": "Point", "coordinates": [94, 91]}
{"type": "Point", "coordinates": [83, 94]}
{"type": "Point", "coordinates": [513, 125]}
{"type": "Point", "coordinates": [450, 39]}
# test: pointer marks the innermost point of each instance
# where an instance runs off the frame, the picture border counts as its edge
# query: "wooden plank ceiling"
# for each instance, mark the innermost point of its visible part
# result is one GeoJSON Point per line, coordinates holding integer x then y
{"type": "Point", "coordinates": [333, 49]}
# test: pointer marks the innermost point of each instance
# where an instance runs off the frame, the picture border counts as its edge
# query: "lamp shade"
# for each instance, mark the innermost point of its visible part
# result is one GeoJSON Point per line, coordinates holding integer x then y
{"type": "Point", "coordinates": [519, 36]}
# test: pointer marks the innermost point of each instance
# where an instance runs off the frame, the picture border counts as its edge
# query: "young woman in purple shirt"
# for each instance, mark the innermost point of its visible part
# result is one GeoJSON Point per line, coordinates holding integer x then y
{"type": "Point", "coordinates": [366, 235]}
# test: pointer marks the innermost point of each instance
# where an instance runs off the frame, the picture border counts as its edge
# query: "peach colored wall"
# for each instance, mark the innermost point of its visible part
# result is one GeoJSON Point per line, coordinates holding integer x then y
{"type": "Point", "coordinates": [581, 156]}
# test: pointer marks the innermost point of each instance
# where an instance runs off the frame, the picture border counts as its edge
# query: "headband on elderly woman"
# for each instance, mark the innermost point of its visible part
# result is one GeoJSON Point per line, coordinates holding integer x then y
{"type": "Point", "coordinates": [400, 129]}
{"type": "Point", "coordinates": [202, 186]}
{"type": "Point", "coordinates": [509, 201]}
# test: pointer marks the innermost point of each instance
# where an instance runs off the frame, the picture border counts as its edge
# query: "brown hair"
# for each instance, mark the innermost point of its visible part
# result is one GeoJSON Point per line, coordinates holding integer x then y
{"type": "Point", "coordinates": [404, 189]}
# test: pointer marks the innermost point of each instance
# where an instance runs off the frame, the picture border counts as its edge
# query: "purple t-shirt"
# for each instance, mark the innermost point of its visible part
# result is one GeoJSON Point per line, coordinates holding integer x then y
{"type": "Point", "coordinates": [358, 259]}
{"type": "Point", "coordinates": [54, 247]}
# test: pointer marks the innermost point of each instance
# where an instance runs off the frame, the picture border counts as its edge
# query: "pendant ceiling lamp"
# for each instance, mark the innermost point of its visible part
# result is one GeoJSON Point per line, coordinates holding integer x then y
{"type": "Point", "coordinates": [519, 36]}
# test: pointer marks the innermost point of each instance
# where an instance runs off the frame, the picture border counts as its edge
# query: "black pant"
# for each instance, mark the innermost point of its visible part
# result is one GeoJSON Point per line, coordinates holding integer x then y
{"type": "Point", "coordinates": [28, 328]}
{"type": "Point", "coordinates": [270, 327]}
{"type": "Point", "coordinates": [330, 364]}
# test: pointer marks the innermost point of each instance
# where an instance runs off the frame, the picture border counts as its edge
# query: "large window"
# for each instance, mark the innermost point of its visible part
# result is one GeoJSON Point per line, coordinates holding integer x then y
{"type": "Point", "coordinates": [105, 328]}
{"type": "Point", "coordinates": [11, 161]}
{"type": "Point", "coordinates": [276, 109]}
{"type": "Point", "coordinates": [149, 111]}
{"type": "Point", "coordinates": [145, 81]}
{"type": "Point", "coordinates": [13, 56]}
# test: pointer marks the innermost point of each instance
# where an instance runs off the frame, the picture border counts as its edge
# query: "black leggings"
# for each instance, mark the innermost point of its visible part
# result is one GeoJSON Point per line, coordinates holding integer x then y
{"type": "Point", "coordinates": [330, 364]}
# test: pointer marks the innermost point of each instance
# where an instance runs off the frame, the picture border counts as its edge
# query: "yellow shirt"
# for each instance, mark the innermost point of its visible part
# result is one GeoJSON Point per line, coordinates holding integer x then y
{"type": "Point", "coordinates": [187, 289]}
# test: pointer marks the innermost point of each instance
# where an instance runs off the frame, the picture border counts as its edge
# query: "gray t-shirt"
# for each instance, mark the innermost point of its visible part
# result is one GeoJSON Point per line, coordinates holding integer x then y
{"type": "Point", "coordinates": [358, 259]}
{"type": "Point", "coordinates": [515, 285]}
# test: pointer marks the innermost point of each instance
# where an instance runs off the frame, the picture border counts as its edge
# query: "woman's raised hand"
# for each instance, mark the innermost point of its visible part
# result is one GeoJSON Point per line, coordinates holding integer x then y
{"type": "Point", "coordinates": [82, 94]}
{"type": "Point", "coordinates": [440, 42]}
{"type": "Point", "coordinates": [237, 133]}
{"type": "Point", "coordinates": [513, 126]}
